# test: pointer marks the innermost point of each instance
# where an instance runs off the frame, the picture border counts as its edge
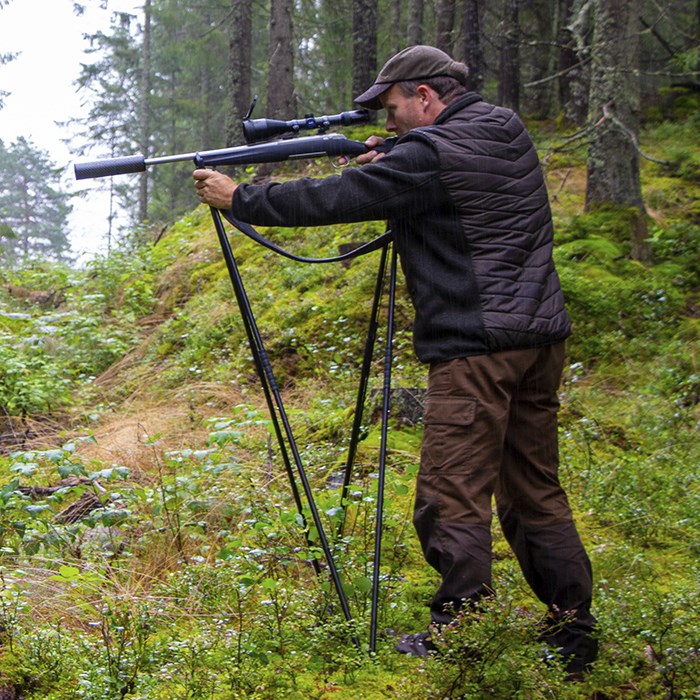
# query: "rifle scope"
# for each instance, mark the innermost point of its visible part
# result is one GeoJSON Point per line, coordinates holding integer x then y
{"type": "Point", "coordinates": [255, 130]}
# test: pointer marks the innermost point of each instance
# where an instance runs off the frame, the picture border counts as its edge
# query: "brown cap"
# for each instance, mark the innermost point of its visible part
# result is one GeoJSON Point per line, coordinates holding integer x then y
{"type": "Point", "coordinates": [413, 63]}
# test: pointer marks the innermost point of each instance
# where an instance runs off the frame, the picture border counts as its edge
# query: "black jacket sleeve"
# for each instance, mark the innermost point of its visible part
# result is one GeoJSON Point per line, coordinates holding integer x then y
{"type": "Point", "coordinates": [383, 190]}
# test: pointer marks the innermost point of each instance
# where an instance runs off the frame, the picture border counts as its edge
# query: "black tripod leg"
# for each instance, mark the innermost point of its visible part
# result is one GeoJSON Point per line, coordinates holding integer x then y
{"type": "Point", "coordinates": [386, 402]}
{"type": "Point", "coordinates": [362, 389]}
{"type": "Point", "coordinates": [257, 351]}
{"type": "Point", "coordinates": [277, 411]}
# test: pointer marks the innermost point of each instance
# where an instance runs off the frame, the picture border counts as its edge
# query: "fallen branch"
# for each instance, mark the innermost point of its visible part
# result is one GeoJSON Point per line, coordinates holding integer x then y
{"type": "Point", "coordinates": [85, 504]}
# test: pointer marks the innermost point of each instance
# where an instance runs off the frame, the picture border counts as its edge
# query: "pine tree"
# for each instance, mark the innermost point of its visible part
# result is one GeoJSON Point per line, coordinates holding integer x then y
{"type": "Point", "coordinates": [111, 82]}
{"type": "Point", "coordinates": [158, 86]}
{"type": "Point", "coordinates": [34, 208]}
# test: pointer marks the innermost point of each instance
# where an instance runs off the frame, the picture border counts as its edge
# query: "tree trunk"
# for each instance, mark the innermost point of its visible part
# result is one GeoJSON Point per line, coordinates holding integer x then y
{"type": "Point", "coordinates": [280, 83]}
{"type": "Point", "coordinates": [327, 67]}
{"type": "Point", "coordinates": [613, 157]}
{"type": "Point", "coordinates": [541, 26]}
{"type": "Point", "coordinates": [509, 69]}
{"type": "Point", "coordinates": [145, 109]}
{"type": "Point", "coordinates": [573, 54]}
{"type": "Point", "coordinates": [473, 45]}
{"type": "Point", "coordinates": [445, 25]}
{"type": "Point", "coordinates": [395, 21]}
{"type": "Point", "coordinates": [364, 53]}
{"type": "Point", "coordinates": [239, 66]}
{"type": "Point", "coordinates": [416, 10]}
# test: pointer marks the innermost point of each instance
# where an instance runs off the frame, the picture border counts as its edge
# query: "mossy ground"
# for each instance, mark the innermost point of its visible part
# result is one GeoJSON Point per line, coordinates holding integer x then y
{"type": "Point", "coordinates": [194, 577]}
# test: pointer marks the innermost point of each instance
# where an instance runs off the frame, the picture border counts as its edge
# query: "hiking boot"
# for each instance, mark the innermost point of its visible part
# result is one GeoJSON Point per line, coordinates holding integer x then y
{"type": "Point", "coordinates": [418, 644]}
{"type": "Point", "coordinates": [577, 650]}
{"type": "Point", "coordinates": [573, 641]}
{"type": "Point", "coordinates": [576, 667]}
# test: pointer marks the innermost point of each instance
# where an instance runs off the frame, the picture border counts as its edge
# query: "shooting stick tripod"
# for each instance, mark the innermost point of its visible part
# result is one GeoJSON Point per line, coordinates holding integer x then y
{"type": "Point", "coordinates": [282, 427]}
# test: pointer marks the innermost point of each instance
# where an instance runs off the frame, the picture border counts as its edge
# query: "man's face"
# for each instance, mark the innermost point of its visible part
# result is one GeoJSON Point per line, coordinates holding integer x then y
{"type": "Point", "coordinates": [402, 113]}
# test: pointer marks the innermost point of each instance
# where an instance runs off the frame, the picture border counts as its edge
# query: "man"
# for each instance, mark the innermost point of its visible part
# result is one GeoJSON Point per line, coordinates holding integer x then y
{"type": "Point", "coordinates": [467, 205]}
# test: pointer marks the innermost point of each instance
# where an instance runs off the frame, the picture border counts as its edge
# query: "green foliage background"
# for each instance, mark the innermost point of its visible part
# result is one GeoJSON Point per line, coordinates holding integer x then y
{"type": "Point", "coordinates": [187, 572]}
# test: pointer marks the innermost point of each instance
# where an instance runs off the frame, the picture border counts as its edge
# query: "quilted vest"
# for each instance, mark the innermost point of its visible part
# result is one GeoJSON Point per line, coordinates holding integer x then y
{"type": "Point", "coordinates": [498, 288]}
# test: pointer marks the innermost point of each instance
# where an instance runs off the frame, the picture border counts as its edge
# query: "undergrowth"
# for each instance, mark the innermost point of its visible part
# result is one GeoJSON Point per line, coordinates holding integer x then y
{"type": "Point", "coordinates": [180, 564]}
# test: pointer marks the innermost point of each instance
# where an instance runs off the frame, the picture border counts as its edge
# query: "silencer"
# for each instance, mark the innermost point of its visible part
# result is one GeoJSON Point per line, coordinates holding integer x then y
{"type": "Point", "coordinates": [111, 166]}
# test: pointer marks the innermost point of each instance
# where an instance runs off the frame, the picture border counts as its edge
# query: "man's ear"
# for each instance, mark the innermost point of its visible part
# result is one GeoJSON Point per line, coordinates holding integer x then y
{"type": "Point", "coordinates": [425, 93]}
{"type": "Point", "coordinates": [430, 102]}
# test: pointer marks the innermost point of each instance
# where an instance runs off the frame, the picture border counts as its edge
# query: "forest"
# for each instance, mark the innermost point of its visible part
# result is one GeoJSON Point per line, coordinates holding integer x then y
{"type": "Point", "coordinates": [154, 540]}
{"type": "Point", "coordinates": [179, 78]}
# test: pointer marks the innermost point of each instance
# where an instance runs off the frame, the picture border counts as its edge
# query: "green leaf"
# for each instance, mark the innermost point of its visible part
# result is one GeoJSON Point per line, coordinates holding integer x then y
{"type": "Point", "coordinates": [69, 469]}
{"type": "Point", "coordinates": [35, 510]}
{"type": "Point", "coordinates": [67, 573]}
{"type": "Point", "coordinates": [24, 468]}
{"type": "Point", "coordinates": [115, 516]}
{"type": "Point", "coordinates": [362, 584]}
{"type": "Point", "coordinates": [8, 489]}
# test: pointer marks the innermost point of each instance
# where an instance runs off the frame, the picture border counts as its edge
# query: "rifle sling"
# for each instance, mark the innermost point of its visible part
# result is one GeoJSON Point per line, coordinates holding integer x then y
{"type": "Point", "coordinates": [249, 231]}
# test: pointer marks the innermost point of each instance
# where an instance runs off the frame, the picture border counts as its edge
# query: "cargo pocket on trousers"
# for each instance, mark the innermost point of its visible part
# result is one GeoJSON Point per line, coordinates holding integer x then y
{"type": "Point", "coordinates": [448, 434]}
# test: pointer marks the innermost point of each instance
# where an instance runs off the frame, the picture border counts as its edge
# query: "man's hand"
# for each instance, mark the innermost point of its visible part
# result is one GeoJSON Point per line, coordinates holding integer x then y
{"type": "Point", "coordinates": [214, 188]}
{"type": "Point", "coordinates": [371, 155]}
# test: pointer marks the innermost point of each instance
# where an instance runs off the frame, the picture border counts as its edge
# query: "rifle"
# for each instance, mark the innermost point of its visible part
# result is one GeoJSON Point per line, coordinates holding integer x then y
{"type": "Point", "coordinates": [254, 131]}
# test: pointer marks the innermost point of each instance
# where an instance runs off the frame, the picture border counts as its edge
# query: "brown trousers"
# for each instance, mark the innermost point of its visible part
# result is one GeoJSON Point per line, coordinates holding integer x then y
{"type": "Point", "coordinates": [491, 430]}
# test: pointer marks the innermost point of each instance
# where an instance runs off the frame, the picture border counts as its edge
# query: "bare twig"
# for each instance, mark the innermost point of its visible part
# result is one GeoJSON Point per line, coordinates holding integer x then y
{"type": "Point", "coordinates": [556, 76]}
{"type": "Point", "coordinates": [608, 115]}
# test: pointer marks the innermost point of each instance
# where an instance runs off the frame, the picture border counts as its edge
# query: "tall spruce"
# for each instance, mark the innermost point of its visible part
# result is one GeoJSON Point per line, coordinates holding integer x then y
{"type": "Point", "coordinates": [157, 87]}
{"type": "Point", "coordinates": [110, 80]}
{"type": "Point", "coordinates": [145, 108]}
{"type": "Point", "coordinates": [34, 207]}
{"type": "Point", "coordinates": [280, 80]}
{"type": "Point", "coordinates": [473, 52]}
{"type": "Point", "coordinates": [396, 35]}
{"type": "Point", "coordinates": [416, 13]}
{"type": "Point", "coordinates": [445, 33]}
{"type": "Point", "coordinates": [509, 59]}
{"type": "Point", "coordinates": [540, 20]}
{"type": "Point", "coordinates": [240, 52]}
{"type": "Point", "coordinates": [323, 69]}
{"type": "Point", "coordinates": [613, 158]}
{"type": "Point", "coordinates": [189, 100]}
{"type": "Point", "coordinates": [574, 57]}
{"type": "Point", "coordinates": [364, 33]}
{"type": "Point", "coordinates": [337, 56]}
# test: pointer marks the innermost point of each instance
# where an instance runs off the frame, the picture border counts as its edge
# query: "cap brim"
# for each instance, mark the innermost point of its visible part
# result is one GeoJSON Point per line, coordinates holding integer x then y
{"type": "Point", "coordinates": [370, 98]}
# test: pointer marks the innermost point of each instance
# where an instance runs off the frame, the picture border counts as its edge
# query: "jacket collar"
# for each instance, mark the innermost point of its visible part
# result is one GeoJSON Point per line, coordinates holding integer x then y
{"type": "Point", "coordinates": [458, 104]}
